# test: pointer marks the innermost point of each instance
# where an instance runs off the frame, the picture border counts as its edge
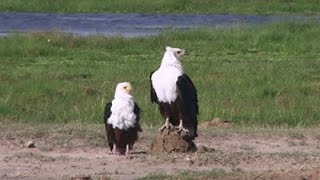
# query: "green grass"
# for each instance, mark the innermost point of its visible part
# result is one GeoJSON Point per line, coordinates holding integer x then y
{"type": "Point", "coordinates": [266, 75]}
{"type": "Point", "coordinates": [166, 6]}
{"type": "Point", "coordinates": [188, 174]}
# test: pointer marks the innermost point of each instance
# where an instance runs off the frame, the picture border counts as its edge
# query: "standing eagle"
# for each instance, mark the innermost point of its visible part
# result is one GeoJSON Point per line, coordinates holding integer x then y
{"type": "Point", "coordinates": [175, 94]}
{"type": "Point", "coordinates": [121, 118]}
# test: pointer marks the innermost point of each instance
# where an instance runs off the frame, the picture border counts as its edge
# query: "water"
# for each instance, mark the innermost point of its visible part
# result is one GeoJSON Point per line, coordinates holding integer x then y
{"type": "Point", "coordinates": [129, 24]}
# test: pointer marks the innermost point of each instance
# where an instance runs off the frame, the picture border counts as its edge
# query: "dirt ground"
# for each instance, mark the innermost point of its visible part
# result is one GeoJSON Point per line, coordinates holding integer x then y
{"type": "Point", "coordinates": [70, 151]}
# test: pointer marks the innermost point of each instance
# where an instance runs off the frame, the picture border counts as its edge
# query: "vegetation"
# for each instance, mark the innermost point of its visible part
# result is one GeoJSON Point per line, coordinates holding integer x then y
{"type": "Point", "coordinates": [166, 6]}
{"type": "Point", "coordinates": [265, 75]}
{"type": "Point", "coordinates": [188, 174]}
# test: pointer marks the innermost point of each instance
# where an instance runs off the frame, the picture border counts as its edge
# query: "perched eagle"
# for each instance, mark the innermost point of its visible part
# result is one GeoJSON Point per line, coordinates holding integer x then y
{"type": "Point", "coordinates": [175, 94]}
{"type": "Point", "coordinates": [121, 118]}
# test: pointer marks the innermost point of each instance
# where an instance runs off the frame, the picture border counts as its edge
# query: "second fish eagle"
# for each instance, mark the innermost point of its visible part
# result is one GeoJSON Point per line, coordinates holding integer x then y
{"type": "Point", "coordinates": [175, 94]}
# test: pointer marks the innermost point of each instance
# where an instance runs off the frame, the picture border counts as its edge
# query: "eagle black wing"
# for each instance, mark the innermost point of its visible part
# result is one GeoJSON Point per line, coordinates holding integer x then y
{"type": "Point", "coordinates": [107, 112]}
{"type": "Point", "coordinates": [188, 95]}
{"type": "Point", "coordinates": [109, 129]}
{"type": "Point", "coordinates": [153, 95]}
{"type": "Point", "coordinates": [136, 111]}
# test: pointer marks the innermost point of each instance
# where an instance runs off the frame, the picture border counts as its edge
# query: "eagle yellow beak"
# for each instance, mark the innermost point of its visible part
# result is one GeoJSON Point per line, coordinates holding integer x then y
{"type": "Point", "coordinates": [181, 52]}
{"type": "Point", "coordinates": [128, 88]}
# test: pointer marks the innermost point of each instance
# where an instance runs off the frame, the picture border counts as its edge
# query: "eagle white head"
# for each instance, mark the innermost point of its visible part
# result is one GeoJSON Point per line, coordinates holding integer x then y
{"type": "Point", "coordinates": [172, 56]}
{"type": "Point", "coordinates": [123, 90]}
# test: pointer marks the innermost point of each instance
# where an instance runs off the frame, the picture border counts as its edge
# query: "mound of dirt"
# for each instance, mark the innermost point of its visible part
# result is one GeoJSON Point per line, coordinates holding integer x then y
{"type": "Point", "coordinates": [170, 140]}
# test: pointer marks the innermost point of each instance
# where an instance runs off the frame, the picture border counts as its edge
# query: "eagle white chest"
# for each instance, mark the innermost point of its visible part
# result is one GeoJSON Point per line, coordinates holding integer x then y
{"type": "Point", "coordinates": [122, 114]}
{"type": "Point", "coordinates": [164, 83]}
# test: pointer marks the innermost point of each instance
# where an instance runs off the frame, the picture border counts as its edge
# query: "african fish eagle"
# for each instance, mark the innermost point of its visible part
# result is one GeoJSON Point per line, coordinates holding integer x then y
{"type": "Point", "coordinates": [121, 118]}
{"type": "Point", "coordinates": [175, 94]}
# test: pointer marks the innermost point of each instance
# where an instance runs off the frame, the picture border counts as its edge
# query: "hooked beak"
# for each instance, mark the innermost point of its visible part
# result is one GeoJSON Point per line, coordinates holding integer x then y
{"type": "Point", "coordinates": [128, 88]}
{"type": "Point", "coordinates": [181, 53]}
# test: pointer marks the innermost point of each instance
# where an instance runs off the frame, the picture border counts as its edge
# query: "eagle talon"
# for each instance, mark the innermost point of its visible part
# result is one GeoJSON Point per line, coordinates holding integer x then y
{"type": "Point", "coordinates": [167, 125]}
{"type": "Point", "coordinates": [182, 129]}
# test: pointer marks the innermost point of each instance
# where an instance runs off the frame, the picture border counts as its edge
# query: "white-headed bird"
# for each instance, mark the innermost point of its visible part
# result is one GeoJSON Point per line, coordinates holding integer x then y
{"type": "Point", "coordinates": [121, 118]}
{"type": "Point", "coordinates": [175, 94]}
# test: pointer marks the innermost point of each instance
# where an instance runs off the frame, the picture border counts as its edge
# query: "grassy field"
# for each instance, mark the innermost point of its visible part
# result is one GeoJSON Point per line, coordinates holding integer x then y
{"type": "Point", "coordinates": [166, 6]}
{"type": "Point", "coordinates": [265, 75]}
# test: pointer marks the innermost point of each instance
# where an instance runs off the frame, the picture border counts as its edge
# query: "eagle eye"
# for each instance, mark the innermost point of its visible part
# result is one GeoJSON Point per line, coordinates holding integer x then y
{"type": "Point", "coordinates": [179, 52]}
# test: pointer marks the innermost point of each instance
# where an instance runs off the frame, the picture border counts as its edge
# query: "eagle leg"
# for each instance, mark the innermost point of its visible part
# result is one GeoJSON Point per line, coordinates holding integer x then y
{"type": "Point", "coordinates": [127, 153]}
{"type": "Point", "coordinates": [167, 125]}
{"type": "Point", "coordinates": [114, 149]}
{"type": "Point", "coordinates": [181, 128]}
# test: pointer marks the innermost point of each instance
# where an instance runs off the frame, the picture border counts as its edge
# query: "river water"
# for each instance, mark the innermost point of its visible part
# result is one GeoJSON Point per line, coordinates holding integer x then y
{"type": "Point", "coordinates": [128, 24]}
